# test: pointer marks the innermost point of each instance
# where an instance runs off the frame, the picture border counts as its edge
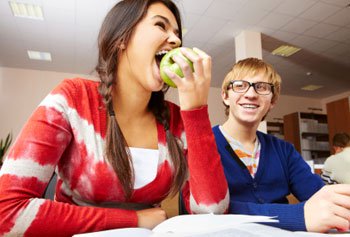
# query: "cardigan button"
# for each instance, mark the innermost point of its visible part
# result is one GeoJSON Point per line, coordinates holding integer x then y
{"type": "Point", "coordinates": [255, 185]}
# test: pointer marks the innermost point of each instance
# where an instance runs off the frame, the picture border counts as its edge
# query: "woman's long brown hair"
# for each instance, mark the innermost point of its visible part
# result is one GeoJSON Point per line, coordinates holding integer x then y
{"type": "Point", "coordinates": [115, 31]}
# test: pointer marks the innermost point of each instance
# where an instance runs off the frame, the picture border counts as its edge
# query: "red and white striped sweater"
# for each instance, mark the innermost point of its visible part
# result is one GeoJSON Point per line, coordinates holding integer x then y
{"type": "Point", "coordinates": [66, 133]}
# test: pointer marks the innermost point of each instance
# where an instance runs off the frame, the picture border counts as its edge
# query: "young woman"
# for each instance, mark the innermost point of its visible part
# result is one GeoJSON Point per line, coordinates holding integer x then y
{"type": "Point", "coordinates": [261, 169]}
{"type": "Point", "coordinates": [117, 147]}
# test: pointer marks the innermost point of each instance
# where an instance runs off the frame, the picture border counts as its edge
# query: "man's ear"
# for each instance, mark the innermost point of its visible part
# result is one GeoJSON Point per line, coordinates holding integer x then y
{"type": "Point", "coordinates": [225, 99]}
{"type": "Point", "coordinates": [272, 105]}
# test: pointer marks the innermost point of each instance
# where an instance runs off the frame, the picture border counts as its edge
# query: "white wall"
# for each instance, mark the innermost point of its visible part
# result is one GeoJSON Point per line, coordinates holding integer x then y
{"type": "Point", "coordinates": [215, 105]}
{"type": "Point", "coordinates": [289, 104]}
{"type": "Point", "coordinates": [22, 90]}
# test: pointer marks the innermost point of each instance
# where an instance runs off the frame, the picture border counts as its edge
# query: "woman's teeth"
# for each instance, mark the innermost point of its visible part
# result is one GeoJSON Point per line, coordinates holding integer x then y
{"type": "Point", "coordinates": [161, 52]}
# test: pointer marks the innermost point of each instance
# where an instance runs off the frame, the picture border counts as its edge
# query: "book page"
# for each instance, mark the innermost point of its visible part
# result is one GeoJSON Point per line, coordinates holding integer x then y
{"type": "Point", "coordinates": [123, 232]}
{"type": "Point", "coordinates": [200, 223]}
{"type": "Point", "coordinates": [208, 225]}
{"type": "Point", "coordinates": [267, 231]}
{"type": "Point", "coordinates": [245, 230]}
{"type": "Point", "coordinates": [187, 225]}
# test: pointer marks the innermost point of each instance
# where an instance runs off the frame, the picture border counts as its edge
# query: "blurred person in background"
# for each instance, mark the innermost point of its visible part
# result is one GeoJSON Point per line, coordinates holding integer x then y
{"type": "Point", "coordinates": [336, 168]}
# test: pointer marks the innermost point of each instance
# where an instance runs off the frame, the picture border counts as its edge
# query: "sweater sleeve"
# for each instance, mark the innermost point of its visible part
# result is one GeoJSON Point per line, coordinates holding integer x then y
{"type": "Point", "coordinates": [290, 216]}
{"type": "Point", "coordinates": [303, 183]}
{"type": "Point", "coordinates": [27, 170]}
{"type": "Point", "coordinates": [206, 190]}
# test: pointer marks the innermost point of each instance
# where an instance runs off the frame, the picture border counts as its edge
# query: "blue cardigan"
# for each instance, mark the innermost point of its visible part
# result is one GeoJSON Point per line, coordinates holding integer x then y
{"type": "Point", "coordinates": [281, 171]}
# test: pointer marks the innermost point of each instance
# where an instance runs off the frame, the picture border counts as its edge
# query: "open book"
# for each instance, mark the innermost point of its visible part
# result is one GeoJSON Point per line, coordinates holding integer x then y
{"type": "Point", "coordinates": [184, 225]}
{"type": "Point", "coordinates": [187, 225]}
{"type": "Point", "coordinates": [206, 225]}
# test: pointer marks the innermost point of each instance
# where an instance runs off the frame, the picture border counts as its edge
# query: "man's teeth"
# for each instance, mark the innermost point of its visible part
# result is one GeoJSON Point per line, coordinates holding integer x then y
{"type": "Point", "coordinates": [250, 106]}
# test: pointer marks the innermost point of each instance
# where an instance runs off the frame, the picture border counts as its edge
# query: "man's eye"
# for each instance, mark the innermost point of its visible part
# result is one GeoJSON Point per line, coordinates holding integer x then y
{"type": "Point", "coordinates": [261, 86]}
{"type": "Point", "coordinates": [239, 85]}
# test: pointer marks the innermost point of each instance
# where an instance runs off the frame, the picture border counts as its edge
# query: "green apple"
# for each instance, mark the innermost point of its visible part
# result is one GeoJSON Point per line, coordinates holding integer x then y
{"type": "Point", "coordinates": [168, 62]}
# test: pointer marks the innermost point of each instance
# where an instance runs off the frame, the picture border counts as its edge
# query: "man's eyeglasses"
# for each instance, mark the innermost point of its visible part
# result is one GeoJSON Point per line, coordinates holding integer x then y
{"type": "Point", "coordinates": [261, 88]}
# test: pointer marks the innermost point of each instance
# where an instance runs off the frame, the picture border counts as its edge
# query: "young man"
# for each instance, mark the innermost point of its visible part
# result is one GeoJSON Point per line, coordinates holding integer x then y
{"type": "Point", "coordinates": [336, 168]}
{"type": "Point", "coordinates": [261, 169]}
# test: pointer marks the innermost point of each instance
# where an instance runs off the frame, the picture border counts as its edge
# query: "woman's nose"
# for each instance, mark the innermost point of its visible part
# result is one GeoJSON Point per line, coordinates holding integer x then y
{"type": "Point", "coordinates": [174, 40]}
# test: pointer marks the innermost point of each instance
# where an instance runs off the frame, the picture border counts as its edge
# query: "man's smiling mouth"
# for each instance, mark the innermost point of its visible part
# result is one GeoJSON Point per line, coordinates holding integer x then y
{"type": "Point", "coordinates": [249, 106]}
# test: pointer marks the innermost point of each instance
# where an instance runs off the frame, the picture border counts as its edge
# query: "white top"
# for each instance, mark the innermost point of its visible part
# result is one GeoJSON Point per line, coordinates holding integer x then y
{"type": "Point", "coordinates": [145, 162]}
{"type": "Point", "coordinates": [337, 168]}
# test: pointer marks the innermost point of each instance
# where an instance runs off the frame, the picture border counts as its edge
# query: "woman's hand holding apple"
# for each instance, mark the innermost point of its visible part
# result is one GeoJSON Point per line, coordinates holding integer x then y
{"type": "Point", "coordinates": [191, 75]}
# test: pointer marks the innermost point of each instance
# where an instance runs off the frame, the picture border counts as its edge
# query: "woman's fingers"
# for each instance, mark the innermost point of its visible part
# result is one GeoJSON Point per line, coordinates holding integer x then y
{"type": "Point", "coordinates": [206, 62]}
{"type": "Point", "coordinates": [194, 86]}
{"type": "Point", "coordinates": [185, 66]}
{"type": "Point", "coordinates": [201, 63]}
{"type": "Point", "coordinates": [197, 62]}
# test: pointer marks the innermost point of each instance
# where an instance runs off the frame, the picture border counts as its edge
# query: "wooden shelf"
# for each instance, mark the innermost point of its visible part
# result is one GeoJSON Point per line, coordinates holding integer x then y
{"type": "Point", "coordinates": [315, 150]}
{"type": "Point", "coordinates": [338, 114]}
{"type": "Point", "coordinates": [308, 133]}
{"type": "Point", "coordinates": [276, 129]}
{"type": "Point", "coordinates": [320, 136]}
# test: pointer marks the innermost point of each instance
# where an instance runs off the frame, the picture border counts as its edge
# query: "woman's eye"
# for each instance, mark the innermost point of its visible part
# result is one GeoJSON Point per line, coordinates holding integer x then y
{"type": "Point", "coordinates": [161, 25]}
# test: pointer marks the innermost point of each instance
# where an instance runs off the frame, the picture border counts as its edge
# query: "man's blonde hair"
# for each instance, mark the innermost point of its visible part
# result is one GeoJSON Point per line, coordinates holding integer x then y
{"type": "Point", "coordinates": [252, 67]}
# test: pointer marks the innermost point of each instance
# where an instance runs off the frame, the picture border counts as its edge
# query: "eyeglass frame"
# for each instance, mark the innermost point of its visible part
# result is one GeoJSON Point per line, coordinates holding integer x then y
{"type": "Point", "coordinates": [251, 84]}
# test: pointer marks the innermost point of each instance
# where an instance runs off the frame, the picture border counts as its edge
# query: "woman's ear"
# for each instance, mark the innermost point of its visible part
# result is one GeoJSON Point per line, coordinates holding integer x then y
{"type": "Point", "coordinates": [122, 46]}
